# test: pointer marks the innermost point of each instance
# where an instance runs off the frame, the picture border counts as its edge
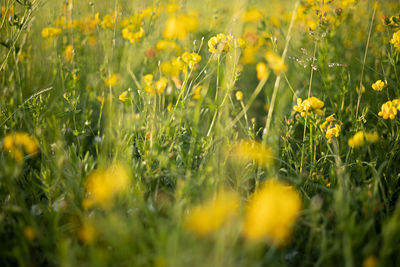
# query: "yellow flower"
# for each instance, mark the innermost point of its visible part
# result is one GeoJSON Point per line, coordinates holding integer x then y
{"type": "Point", "coordinates": [197, 92]}
{"type": "Point", "coordinates": [69, 53]}
{"type": "Point", "coordinates": [108, 21]}
{"type": "Point", "coordinates": [148, 81]}
{"type": "Point", "coordinates": [361, 137]}
{"type": "Point", "coordinates": [164, 45]}
{"type": "Point", "coordinates": [133, 33]}
{"type": "Point", "coordinates": [271, 213]}
{"type": "Point", "coordinates": [309, 105]}
{"type": "Point", "coordinates": [218, 43]}
{"type": "Point", "coordinates": [239, 95]}
{"type": "Point", "coordinates": [262, 71]}
{"type": "Point", "coordinates": [332, 131]}
{"type": "Point", "coordinates": [51, 32]}
{"type": "Point", "coordinates": [276, 63]}
{"type": "Point", "coordinates": [123, 96]}
{"type": "Point", "coordinates": [100, 99]}
{"type": "Point", "coordinates": [253, 150]}
{"type": "Point", "coordinates": [395, 41]}
{"type": "Point", "coordinates": [161, 84]}
{"type": "Point", "coordinates": [191, 59]}
{"type": "Point", "coordinates": [379, 85]}
{"type": "Point", "coordinates": [102, 185]}
{"type": "Point", "coordinates": [211, 215]}
{"type": "Point", "coordinates": [252, 15]}
{"type": "Point", "coordinates": [112, 80]}
{"type": "Point", "coordinates": [18, 143]}
{"type": "Point", "coordinates": [179, 26]}
{"type": "Point", "coordinates": [87, 233]}
{"type": "Point", "coordinates": [388, 111]}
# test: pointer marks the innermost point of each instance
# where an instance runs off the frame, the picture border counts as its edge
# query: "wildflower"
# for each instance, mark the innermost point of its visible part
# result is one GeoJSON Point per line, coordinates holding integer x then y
{"type": "Point", "coordinates": [132, 33]}
{"type": "Point", "coordinates": [308, 106]}
{"type": "Point", "coordinates": [87, 233]}
{"type": "Point", "coordinates": [197, 92]}
{"type": "Point", "coordinates": [191, 59]}
{"type": "Point", "coordinates": [112, 80]}
{"type": "Point", "coordinates": [379, 85]}
{"type": "Point", "coordinates": [102, 185]}
{"type": "Point", "coordinates": [388, 110]}
{"type": "Point", "coordinates": [332, 131]}
{"type": "Point", "coordinates": [276, 63]}
{"type": "Point", "coordinates": [108, 21]}
{"type": "Point", "coordinates": [252, 15]}
{"type": "Point", "coordinates": [100, 99]}
{"type": "Point", "coordinates": [262, 71]}
{"type": "Point", "coordinates": [212, 214]}
{"type": "Point", "coordinates": [395, 41]}
{"type": "Point", "coordinates": [69, 53]}
{"type": "Point", "coordinates": [219, 43]}
{"type": "Point", "coordinates": [18, 143]}
{"type": "Point", "coordinates": [361, 137]}
{"type": "Point", "coordinates": [148, 81]}
{"type": "Point", "coordinates": [253, 150]}
{"type": "Point", "coordinates": [271, 212]}
{"type": "Point", "coordinates": [164, 45]}
{"type": "Point", "coordinates": [179, 26]}
{"type": "Point", "coordinates": [51, 32]}
{"type": "Point", "coordinates": [161, 84]}
{"type": "Point", "coordinates": [239, 95]}
{"type": "Point", "coordinates": [123, 96]}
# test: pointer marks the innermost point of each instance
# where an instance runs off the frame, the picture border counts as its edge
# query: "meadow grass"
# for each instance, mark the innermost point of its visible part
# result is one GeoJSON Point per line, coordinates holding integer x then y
{"type": "Point", "coordinates": [199, 133]}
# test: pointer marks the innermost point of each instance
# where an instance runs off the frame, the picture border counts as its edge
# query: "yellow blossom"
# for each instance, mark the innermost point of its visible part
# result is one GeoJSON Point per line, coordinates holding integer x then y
{"type": "Point", "coordinates": [69, 53]}
{"type": "Point", "coordinates": [18, 143]}
{"type": "Point", "coordinates": [361, 137]}
{"type": "Point", "coordinates": [164, 45]}
{"type": "Point", "coordinates": [102, 185]}
{"type": "Point", "coordinates": [108, 21]}
{"type": "Point", "coordinates": [276, 63]}
{"type": "Point", "coordinates": [218, 43]}
{"type": "Point", "coordinates": [253, 150]}
{"type": "Point", "coordinates": [332, 131]}
{"type": "Point", "coordinates": [309, 106]}
{"type": "Point", "coordinates": [388, 111]}
{"type": "Point", "coordinates": [252, 15]}
{"type": "Point", "coordinates": [161, 84]}
{"type": "Point", "coordinates": [123, 96]}
{"type": "Point", "coordinates": [191, 59]}
{"type": "Point", "coordinates": [395, 41]}
{"type": "Point", "coordinates": [211, 215]}
{"type": "Point", "coordinates": [239, 95]}
{"type": "Point", "coordinates": [262, 71]}
{"type": "Point", "coordinates": [271, 213]}
{"type": "Point", "coordinates": [112, 80]}
{"type": "Point", "coordinates": [179, 26]}
{"type": "Point", "coordinates": [379, 85]}
{"type": "Point", "coordinates": [197, 92]}
{"type": "Point", "coordinates": [87, 233]}
{"type": "Point", "coordinates": [132, 33]}
{"type": "Point", "coordinates": [51, 32]}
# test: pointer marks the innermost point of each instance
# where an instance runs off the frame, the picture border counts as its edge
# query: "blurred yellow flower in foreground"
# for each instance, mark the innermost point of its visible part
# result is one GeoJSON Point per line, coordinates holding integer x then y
{"type": "Point", "coordinates": [276, 63]}
{"type": "Point", "coordinates": [18, 143]}
{"type": "Point", "coordinates": [212, 214]}
{"type": "Point", "coordinates": [124, 96]}
{"type": "Point", "coordinates": [102, 185]}
{"type": "Point", "coordinates": [112, 80]}
{"type": "Point", "coordinates": [253, 150]}
{"type": "Point", "coordinates": [87, 233]}
{"type": "Point", "coordinates": [179, 26]}
{"type": "Point", "coordinates": [69, 53]}
{"type": "Point", "coordinates": [50, 32]}
{"type": "Point", "coordinates": [239, 95]}
{"type": "Point", "coordinates": [271, 213]}
{"type": "Point", "coordinates": [361, 137]}
{"type": "Point", "coordinates": [262, 71]}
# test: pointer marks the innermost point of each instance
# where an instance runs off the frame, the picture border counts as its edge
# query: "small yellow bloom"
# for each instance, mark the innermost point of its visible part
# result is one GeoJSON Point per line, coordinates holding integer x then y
{"type": "Point", "coordinates": [253, 150]}
{"type": "Point", "coordinates": [161, 84]}
{"type": "Point", "coordinates": [308, 106]}
{"type": "Point", "coordinates": [197, 92]}
{"type": "Point", "coordinates": [191, 59]}
{"type": "Point", "coordinates": [69, 53]}
{"type": "Point", "coordinates": [395, 41]}
{"type": "Point", "coordinates": [332, 131]}
{"type": "Point", "coordinates": [388, 111]}
{"type": "Point", "coordinates": [262, 71]}
{"type": "Point", "coordinates": [51, 32]}
{"type": "Point", "coordinates": [123, 96]}
{"type": "Point", "coordinates": [18, 143]}
{"type": "Point", "coordinates": [239, 95]}
{"type": "Point", "coordinates": [87, 233]}
{"type": "Point", "coordinates": [218, 43]}
{"type": "Point", "coordinates": [361, 137]}
{"type": "Point", "coordinates": [379, 85]}
{"type": "Point", "coordinates": [212, 214]}
{"type": "Point", "coordinates": [112, 80]}
{"type": "Point", "coordinates": [276, 63]}
{"type": "Point", "coordinates": [271, 213]}
{"type": "Point", "coordinates": [252, 15]}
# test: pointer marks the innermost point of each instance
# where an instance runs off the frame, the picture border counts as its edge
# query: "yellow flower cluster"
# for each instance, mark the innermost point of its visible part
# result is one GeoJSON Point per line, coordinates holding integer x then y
{"type": "Point", "coordinates": [389, 109]}
{"type": "Point", "coordinates": [379, 85]}
{"type": "Point", "coordinates": [180, 25]}
{"type": "Point", "coordinates": [165, 45]}
{"type": "Point", "coordinates": [50, 32]}
{"type": "Point", "coordinates": [276, 63]}
{"type": "Point", "coordinates": [330, 128]}
{"type": "Point", "coordinates": [197, 92]}
{"type": "Point", "coordinates": [18, 143]}
{"type": "Point", "coordinates": [395, 41]}
{"type": "Point", "coordinates": [102, 185]}
{"type": "Point", "coordinates": [212, 214]}
{"type": "Point", "coordinates": [159, 85]}
{"type": "Point", "coordinates": [132, 33]}
{"type": "Point", "coordinates": [112, 80]}
{"type": "Point", "coordinates": [253, 150]}
{"type": "Point", "coordinates": [191, 59]}
{"type": "Point", "coordinates": [172, 68]}
{"type": "Point", "coordinates": [262, 71]}
{"type": "Point", "coordinates": [309, 106]}
{"type": "Point", "coordinates": [271, 213]}
{"type": "Point", "coordinates": [222, 42]}
{"type": "Point", "coordinates": [361, 137]}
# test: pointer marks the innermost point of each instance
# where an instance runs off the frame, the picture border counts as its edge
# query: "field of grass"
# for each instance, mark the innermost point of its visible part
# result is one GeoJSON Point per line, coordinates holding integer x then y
{"type": "Point", "coordinates": [199, 133]}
